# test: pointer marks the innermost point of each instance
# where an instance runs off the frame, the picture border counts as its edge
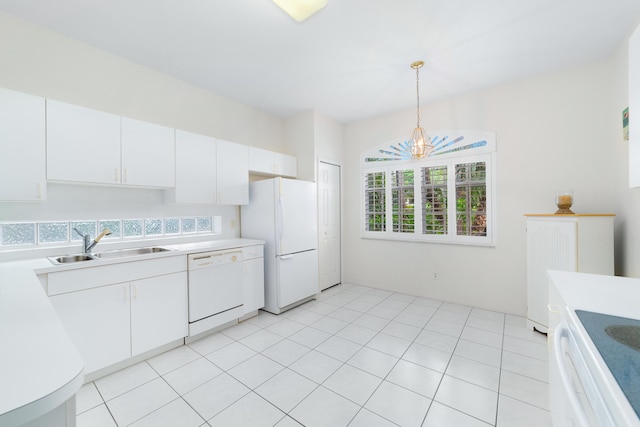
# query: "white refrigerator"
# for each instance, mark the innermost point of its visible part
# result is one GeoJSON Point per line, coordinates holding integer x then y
{"type": "Point", "coordinates": [283, 213]}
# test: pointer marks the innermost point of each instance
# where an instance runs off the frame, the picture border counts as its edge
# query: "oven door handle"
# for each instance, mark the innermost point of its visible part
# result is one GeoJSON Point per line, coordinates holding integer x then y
{"type": "Point", "coordinates": [562, 331]}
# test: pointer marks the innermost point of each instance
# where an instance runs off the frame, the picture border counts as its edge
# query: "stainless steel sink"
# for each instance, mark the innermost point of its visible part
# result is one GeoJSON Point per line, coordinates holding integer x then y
{"type": "Point", "coordinates": [119, 253]}
{"type": "Point", "coordinates": [66, 259]}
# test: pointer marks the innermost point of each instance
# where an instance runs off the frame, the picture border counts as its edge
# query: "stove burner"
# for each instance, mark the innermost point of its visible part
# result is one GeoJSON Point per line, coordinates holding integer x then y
{"type": "Point", "coordinates": [625, 334]}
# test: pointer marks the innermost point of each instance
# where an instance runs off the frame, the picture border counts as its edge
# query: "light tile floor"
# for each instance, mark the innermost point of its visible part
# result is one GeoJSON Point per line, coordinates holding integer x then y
{"type": "Point", "coordinates": [357, 356]}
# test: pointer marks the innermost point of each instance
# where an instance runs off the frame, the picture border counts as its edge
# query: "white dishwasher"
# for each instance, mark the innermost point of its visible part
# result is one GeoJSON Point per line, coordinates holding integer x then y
{"type": "Point", "coordinates": [215, 289]}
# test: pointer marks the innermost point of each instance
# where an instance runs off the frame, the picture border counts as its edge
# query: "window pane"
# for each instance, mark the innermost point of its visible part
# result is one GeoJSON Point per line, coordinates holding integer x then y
{"type": "Point", "coordinates": [114, 225]}
{"type": "Point", "coordinates": [204, 224]}
{"type": "Point", "coordinates": [188, 225]}
{"type": "Point", "coordinates": [402, 205]}
{"type": "Point", "coordinates": [434, 200]}
{"type": "Point", "coordinates": [85, 227]}
{"type": "Point", "coordinates": [471, 199]}
{"type": "Point", "coordinates": [50, 232]}
{"type": "Point", "coordinates": [172, 226]}
{"type": "Point", "coordinates": [19, 234]}
{"type": "Point", "coordinates": [375, 202]}
{"type": "Point", "coordinates": [132, 227]}
{"type": "Point", "coordinates": [152, 227]}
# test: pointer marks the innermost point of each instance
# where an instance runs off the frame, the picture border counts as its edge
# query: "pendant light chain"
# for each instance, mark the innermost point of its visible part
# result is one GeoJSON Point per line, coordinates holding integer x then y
{"type": "Point", "coordinates": [418, 94]}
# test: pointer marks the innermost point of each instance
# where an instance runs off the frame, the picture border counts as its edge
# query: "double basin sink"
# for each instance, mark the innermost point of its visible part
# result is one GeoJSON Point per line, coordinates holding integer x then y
{"type": "Point", "coordinates": [117, 253]}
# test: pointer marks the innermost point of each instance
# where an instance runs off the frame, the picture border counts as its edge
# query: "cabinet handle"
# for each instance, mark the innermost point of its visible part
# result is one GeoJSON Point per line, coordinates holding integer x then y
{"type": "Point", "coordinates": [116, 173]}
{"type": "Point", "coordinates": [125, 293]}
{"type": "Point", "coordinates": [39, 193]}
{"type": "Point", "coordinates": [135, 291]}
{"type": "Point", "coordinates": [126, 175]}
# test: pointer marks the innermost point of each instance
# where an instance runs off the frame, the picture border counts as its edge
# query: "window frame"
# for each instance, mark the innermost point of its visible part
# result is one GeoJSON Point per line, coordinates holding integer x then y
{"type": "Point", "coordinates": [417, 236]}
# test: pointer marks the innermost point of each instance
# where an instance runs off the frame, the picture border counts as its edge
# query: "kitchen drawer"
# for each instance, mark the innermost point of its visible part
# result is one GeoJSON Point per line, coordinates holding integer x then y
{"type": "Point", "coordinates": [251, 252]}
{"type": "Point", "coordinates": [93, 277]}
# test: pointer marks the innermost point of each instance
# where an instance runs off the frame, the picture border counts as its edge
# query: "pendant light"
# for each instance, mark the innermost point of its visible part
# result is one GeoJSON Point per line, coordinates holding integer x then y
{"type": "Point", "coordinates": [420, 143]}
{"type": "Point", "coordinates": [301, 9]}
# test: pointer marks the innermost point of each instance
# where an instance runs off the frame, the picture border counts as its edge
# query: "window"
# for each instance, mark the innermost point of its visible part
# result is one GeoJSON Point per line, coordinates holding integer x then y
{"type": "Point", "coordinates": [375, 216]}
{"type": "Point", "coordinates": [447, 197]}
{"type": "Point", "coordinates": [62, 232]}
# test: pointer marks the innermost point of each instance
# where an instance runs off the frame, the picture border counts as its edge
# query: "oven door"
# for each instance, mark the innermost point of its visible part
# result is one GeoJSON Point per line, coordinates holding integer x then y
{"type": "Point", "coordinates": [576, 399]}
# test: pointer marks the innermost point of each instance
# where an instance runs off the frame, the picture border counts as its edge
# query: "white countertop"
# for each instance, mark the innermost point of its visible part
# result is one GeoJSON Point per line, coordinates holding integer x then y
{"type": "Point", "coordinates": [39, 366]}
{"type": "Point", "coordinates": [618, 296]}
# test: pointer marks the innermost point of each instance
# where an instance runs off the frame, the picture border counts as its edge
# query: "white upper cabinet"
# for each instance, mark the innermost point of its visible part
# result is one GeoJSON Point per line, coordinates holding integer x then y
{"type": "Point", "coordinates": [148, 154]}
{"type": "Point", "coordinates": [634, 109]}
{"type": "Point", "coordinates": [83, 145]}
{"type": "Point", "coordinates": [233, 173]}
{"type": "Point", "coordinates": [90, 146]}
{"type": "Point", "coordinates": [265, 162]}
{"type": "Point", "coordinates": [22, 144]}
{"type": "Point", "coordinates": [196, 174]}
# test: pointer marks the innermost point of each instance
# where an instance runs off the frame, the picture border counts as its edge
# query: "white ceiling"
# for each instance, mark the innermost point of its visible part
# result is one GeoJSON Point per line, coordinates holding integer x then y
{"type": "Point", "coordinates": [349, 61]}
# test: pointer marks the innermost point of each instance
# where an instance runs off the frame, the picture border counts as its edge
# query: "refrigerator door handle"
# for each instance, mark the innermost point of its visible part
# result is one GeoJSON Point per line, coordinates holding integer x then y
{"type": "Point", "coordinates": [283, 257]}
{"type": "Point", "coordinates": [281, 219]}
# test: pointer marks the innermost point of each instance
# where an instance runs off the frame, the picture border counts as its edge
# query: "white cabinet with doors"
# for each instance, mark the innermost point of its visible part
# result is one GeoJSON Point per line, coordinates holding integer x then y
{"type": "Point", "coordinates": [117, 311]}
{"type": "Point", "coordinates": [209, 171]}
{"type": "Point", "coordinates": [233, 173]}
{"type": "Point", "coordinates": [148, 154]}
{"type": "Point", "coordinates": [22, 144]}
{"type": "Point", "coordinates": [252, 279]}
{"type": "Point", "coordinates": [158, 311]}
{"type": "Point", "coordinates": [89, 146]}
{"type": "Point", "coordinates": [196, 173]}
{"type": "Point", "coordinates": [270, 163]}
{"type": "Point", "coordinates": [83, 145]}
{"type": "Point", "coordinates": [98, 323]}
{"type": "Point", "coordinates": [582, 243]}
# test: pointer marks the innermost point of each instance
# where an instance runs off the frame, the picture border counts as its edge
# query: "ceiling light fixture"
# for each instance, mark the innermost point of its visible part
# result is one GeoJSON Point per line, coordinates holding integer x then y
{"type": "Point", "coordinates": [301, 9]}
{"type": "Point", "coordinates": [420, 143]}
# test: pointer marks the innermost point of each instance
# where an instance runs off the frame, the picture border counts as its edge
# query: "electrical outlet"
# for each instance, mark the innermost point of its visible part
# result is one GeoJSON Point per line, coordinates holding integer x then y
{"type": "Point", "coordinates": [232, 224]}
{"type": "Point", "coordinates": [435, 275]}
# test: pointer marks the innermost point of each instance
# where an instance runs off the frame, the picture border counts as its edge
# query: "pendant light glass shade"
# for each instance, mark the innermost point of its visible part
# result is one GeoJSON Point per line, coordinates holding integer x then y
{"type": "Point", "coordinates": [420, 143]}
{"type": "Point", "coordinates": [301, 9]}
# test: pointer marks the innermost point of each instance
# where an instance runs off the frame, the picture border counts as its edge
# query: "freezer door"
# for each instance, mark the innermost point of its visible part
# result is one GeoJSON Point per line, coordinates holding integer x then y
{"type": "Point", "coordinates": [296, 216]}
{"type": "Point", "coordinates": [297, 277]}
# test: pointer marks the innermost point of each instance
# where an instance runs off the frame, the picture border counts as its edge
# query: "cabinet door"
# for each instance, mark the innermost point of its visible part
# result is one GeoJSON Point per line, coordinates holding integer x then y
{"type": "Point", "coordinates": [253, 284]}
{"type": "Point", "coordinates": [287, 165]}
{"type": "Point", "coordinates": [22, 144]}
{"type": "Point", "coordinates": [195, 169]}
{"type": "Point", "coordinates": [83, 145]}
{"type": "Point", "coordinates": [98, 323]}
{"type": "Point", "coordinates": [233, 173]}
{"type": "Point", "coordinates": [148, 154]}
{"type": "Point", "coordinates": [158, 311]}
{"type": "Point", "coordinates": [551, 245]}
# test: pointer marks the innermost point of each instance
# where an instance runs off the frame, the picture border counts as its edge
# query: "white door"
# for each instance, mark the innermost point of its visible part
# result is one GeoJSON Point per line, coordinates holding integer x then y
{"type": "Point", "coordinates": [148, 154]}
{"type": "Point", "coordinates": [233, 173]}
{"type": "Point", "coordinates": [98, 322]}
{"type": "Point", "coordinates": [297, 277]}
{"type": "Point", "coordinates": [22, 144]}
{"type": "Point", "coordinates": [158, 311]}
{"type": "Point", "coordinates": [83, 145]}
{"type": "Point", "coordinates": [296, 216]}
{"type": "Point", "coordinates": [329, 224]}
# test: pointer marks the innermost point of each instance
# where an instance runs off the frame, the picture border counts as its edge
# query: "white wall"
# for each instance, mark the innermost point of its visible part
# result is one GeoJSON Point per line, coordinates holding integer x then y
{"type": "Point", "coordinates": [627, 238]}
{"type": "Point", "coordinates": [553, 131]}
{"type": "Point", "coordinates": [37, 61]}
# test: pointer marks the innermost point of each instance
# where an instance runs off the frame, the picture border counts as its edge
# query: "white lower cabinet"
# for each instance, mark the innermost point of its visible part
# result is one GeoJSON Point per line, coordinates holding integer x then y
{"type": "Point", "coordinates": [158, 311]}
{"type": "Point", "coordinates": [112, 322]}
{"type": "Point", "coordinates": [582, 243]}
{"type": "Point", "coordinates": [98, 322]}
{"type": "Point", "coordinates": [253, 278]}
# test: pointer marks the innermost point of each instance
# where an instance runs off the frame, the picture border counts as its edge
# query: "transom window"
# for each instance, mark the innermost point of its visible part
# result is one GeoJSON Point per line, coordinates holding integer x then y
{"type": "Point", "coordinates": [447, 197]}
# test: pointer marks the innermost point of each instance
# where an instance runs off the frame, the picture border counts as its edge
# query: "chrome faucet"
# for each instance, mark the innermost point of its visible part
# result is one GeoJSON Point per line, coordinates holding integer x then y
{"type": "Point", "coordinates": [88, 244]}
